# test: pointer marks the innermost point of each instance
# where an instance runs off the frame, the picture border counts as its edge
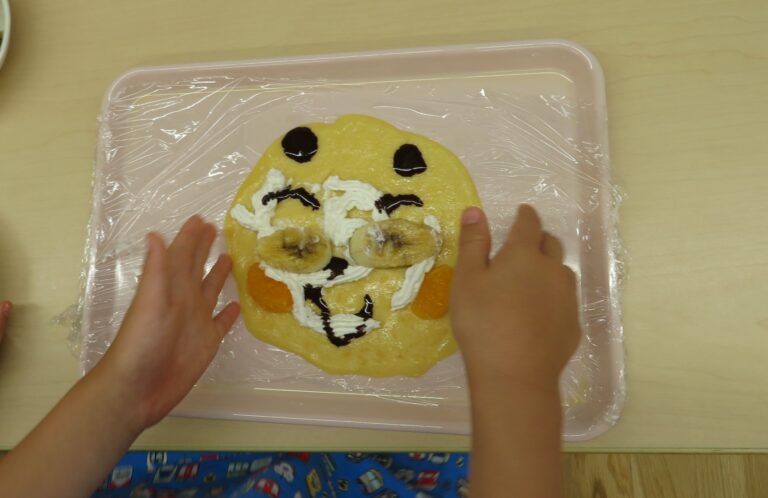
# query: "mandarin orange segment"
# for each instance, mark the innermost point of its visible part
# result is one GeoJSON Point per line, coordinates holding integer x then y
{"type": "Point", "coordinates": [270, 294]}
{"type": "Point", "coordinates": [433, 298]}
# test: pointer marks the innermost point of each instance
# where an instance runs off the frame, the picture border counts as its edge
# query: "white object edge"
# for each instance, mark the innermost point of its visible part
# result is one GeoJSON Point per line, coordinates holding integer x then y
{"type": "Point", "coordinates": [6, 30]}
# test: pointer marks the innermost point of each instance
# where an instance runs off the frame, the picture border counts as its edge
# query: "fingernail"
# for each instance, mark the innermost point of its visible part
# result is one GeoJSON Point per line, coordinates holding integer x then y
{"type": "Point", "coordinates": [471, 216]}
{"type": "Point", "coordinates": [5, 307]}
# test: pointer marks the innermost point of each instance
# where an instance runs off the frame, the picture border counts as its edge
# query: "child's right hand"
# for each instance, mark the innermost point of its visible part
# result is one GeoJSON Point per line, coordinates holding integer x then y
{"type": "Point", "coordinates": [515, 316]}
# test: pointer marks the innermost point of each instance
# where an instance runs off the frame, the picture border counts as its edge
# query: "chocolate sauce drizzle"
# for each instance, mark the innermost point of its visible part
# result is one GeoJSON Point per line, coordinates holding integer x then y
{"type": "Point", "coordinates": [306, 198]}
{"type": "Point", "coordinates": [300, 144]}
{"type": "Point", "coordinates": [366, 311]}
{"type": "Point", "coordinates": [408, 161]}
{"type": "Point", "coordinates": [337, 267]}
{"type": "Point", "coordinates": [388, 202]}
{"type": "Point", "coordinates": [315, 296]}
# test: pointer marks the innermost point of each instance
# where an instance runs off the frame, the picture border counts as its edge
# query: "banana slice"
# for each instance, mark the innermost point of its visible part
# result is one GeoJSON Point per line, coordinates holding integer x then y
{"type": "Point", "coordinates": [297, 250]}
{"type": "Point", "coordinates": [393, 244]}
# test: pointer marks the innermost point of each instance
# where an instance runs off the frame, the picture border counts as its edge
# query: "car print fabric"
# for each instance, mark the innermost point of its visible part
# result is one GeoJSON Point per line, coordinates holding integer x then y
{"type": "Point", "coordinates": [287, 475]}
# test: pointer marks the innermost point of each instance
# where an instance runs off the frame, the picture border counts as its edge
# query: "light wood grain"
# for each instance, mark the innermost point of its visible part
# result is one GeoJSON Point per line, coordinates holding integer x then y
{"type": "Point", "coordinates": [667, 476]}
{"type": "Point", "coordinates": [688, 112]}
{"type": "Point", "coordinates": [598, 475]}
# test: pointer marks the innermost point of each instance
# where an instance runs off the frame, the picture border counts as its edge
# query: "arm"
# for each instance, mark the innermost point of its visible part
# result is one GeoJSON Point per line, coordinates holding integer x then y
{"type": "Point", "coordinates": [166, 341]}
{"type": "Point", "coordinates": [516, 319]}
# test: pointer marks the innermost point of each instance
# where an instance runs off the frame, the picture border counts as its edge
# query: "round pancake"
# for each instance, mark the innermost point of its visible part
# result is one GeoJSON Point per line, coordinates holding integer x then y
{"type": "Point", "coordinates": [357, 148]}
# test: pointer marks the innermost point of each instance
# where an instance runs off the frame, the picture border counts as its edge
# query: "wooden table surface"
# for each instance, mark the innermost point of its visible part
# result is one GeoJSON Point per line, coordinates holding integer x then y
{"type": "Point", "coordinates": [687, 86]}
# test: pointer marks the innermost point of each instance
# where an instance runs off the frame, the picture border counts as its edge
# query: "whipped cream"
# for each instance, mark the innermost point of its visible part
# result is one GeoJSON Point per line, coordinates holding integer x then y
{"type": "Point", "coordinates": [260, 219]}
{"type": "Point", "coordinates": [355, 195]}
{"type": "Point", "coordinates": [433, 223]}
{"type": "Point", "coordinates": [414, 275]}
{"type": "Point", "coordinates": [342, 324]}
{"type": "Point", "coordinates": [340, 197]}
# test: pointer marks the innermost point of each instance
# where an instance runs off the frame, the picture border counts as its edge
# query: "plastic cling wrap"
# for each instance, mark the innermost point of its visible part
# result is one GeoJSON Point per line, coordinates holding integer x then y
{"type": "Point", "coordinates": [526, 119]}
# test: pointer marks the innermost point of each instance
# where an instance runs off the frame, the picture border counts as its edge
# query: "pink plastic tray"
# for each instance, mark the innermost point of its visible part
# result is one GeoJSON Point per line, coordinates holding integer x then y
{"type": "Point", "coordinates": [527, 118]}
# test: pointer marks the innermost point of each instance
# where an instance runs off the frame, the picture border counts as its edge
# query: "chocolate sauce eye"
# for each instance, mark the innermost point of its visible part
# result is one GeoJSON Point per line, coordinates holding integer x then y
{"type": "Point", "coordinates": [300, 144]}
{"type": "Point", "coordinates": [408, 161]}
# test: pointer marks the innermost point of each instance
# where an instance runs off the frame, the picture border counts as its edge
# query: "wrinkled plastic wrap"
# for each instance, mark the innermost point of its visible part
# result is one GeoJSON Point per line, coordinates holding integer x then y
{"type": "Point", "coordinates": [527, 120]}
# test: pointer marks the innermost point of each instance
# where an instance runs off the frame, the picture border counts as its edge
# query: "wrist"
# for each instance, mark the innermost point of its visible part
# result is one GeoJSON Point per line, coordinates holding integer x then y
{"type": "Point", "coordinates": [114, 399]}
{"type": "Point", "coordinates": [516, 410]}
{"type": "Point", "coordinates": [513, 392]}
{"type": "Point", "coordinates": [485, 378]}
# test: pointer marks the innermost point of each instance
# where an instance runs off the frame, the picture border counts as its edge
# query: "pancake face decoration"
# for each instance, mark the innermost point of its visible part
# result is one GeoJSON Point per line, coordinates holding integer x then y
{"type": "Point", "coordinates": [343, 238]}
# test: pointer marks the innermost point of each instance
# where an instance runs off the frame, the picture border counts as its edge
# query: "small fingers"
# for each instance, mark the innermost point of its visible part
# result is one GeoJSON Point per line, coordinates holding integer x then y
{"type": "Point", "coordinates": [225, 319]}
{"type": "Point", "coordinates": [526, 230]}
{"type": "Point", "coordinates": [183, 248]}
{"type": "Point", "coordinates": [570, 277]}
{"type": "Point", "coordinates": [552, 247]}
{"type": "Point", "coordinates": [214, 281]}
{"type": "Point", "coordinates": [474, 242]}
{"type": "Point", "coordinates": [204, 243]}
{"type": "Point", "coordinates": [153, 283]}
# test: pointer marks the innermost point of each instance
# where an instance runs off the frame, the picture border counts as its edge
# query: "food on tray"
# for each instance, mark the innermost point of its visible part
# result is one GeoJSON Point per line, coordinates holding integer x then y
{"type": "Point", "coordinates": [343, 239]}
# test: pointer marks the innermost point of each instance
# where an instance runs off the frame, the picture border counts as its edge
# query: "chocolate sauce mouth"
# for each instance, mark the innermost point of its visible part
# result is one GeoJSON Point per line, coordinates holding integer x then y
{"type": "Point", "coordinates": [315, 296]}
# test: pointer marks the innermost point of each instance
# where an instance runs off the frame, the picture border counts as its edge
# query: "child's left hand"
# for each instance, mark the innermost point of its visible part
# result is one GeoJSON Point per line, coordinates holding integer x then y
{"type": "Point", "coordinates": [169, 335]}
{"type": "Point", "coordinates": [168, 338]}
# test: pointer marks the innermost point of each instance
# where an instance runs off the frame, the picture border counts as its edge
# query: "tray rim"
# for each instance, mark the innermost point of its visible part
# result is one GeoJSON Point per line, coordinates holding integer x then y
{"type": "Point", "coordinates": [570, 45]}
{"type": "Point", "coordinates": [598, 87]}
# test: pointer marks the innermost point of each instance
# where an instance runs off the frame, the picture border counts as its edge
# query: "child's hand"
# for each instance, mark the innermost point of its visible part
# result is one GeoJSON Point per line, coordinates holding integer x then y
{"type": "Point", "coordinates": [166, 341]}
{"type": "Point", "coordinates": [515, 316]}
{"type": "Point", "coordinates": [169, 335]}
